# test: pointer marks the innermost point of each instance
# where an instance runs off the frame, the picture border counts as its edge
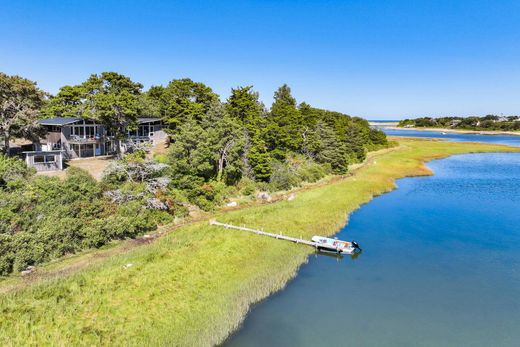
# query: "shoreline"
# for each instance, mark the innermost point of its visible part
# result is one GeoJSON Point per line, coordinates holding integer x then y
{"type": "Point", "coordinates": [181, 274]}
{"type": "Point", "coordinates": [458, 131]}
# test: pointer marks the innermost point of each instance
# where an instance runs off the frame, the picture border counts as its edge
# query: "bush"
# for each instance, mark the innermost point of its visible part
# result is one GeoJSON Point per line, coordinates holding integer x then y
{"type": "Point", "coordinates": [208, 195]}
{"type": "Point", "coordinates": [161, 158]}
{"type": "Point", "coordinates": [13, 172]}
{"type": "Point", "coordinates": [311, 172]}
{"type": "Point", "coordinates": [246, 186]}
{"type": "Point", "coordinates": [283, 176]}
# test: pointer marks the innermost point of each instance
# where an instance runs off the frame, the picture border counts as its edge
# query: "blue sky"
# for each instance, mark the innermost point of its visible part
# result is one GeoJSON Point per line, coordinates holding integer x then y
{"type": "Point", "coordinates": [375, 59]}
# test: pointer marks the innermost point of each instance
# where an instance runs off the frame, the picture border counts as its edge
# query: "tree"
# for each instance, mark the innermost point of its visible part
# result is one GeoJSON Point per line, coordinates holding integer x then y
{"type": "Point", "coordinates": [244, 106]}
{"type": "Point", "coordinates": [226, 138]}
{"type": "Point", "coordinates": [356, 137]}
{"type": "Point", "coordinates": [285, 130]}
{"type": "Point", "coordinates": [260, 159]}
{"type": "Point", "coordinates": [180, 100]}
{"type": "Point", "coordinates": [20, 102]}
{"type": "Point", "coordinates": [326, 148]}
{"type": "Point", "coordinates": [113, 99]}
{"type": "Point", "coordinates": [67, 103]}
{"type": "Point", "coordinates": [188, 156]}
{"type": "Point", "coordinates": [207, 151]}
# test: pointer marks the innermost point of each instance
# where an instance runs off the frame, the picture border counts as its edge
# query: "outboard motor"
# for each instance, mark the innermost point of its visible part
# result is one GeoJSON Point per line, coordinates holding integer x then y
{"type": "Point", "coordinates": [355, 245]}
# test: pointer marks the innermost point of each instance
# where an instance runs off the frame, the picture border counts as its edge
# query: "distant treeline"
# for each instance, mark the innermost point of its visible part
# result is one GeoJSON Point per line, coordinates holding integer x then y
{"type": "Point", "coordinates": [489, 122]}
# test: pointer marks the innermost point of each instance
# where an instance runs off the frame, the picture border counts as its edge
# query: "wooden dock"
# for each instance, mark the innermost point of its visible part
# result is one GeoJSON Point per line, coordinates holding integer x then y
{"type": "Point", "coordinates": [261, 232]}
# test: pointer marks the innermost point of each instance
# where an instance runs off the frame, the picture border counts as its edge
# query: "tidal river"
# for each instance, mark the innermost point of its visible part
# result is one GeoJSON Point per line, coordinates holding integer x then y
{"type": "Point", "coordinates": [440, 267]}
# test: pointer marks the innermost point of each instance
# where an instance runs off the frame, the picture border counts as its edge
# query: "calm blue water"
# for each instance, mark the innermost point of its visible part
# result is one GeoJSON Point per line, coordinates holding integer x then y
{"type": "Point", "coordinates": [440, 267]}
{"type": "Point", "coordinates": [499, 139]}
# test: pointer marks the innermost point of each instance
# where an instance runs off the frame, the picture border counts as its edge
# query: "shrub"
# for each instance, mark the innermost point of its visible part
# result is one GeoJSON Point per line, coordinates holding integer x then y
{"type": "Point", "coordinates": [310, 171]}
{"type": "Point", "coordinates": [246, 186]}
{"type": "Point", "coordinates": [13, 172]}
{"type": "Point", "coordinates": [283, 176]}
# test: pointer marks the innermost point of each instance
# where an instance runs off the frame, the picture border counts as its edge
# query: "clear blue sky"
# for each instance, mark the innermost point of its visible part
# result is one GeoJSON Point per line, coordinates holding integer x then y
{"type": "Point", "coordinates": [376, 59]}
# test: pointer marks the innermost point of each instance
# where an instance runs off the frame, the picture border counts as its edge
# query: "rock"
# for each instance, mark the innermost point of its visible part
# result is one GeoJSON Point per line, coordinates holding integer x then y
{"type": "Point", "coordinates": [264, 196]}
{"type": "Point", "coordinates": [291, 197]}
{"type": "Point", "coordinates": [232, 204]}
{"type": "Point", "coordinates": [29, 270]}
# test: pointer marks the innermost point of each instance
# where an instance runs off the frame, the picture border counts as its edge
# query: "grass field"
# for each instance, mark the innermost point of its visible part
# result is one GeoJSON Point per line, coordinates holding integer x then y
{"type": "Point", "coordinates": [194, 286]}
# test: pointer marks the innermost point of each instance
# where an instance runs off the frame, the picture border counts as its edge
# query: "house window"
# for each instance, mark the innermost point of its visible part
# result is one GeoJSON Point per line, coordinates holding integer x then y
{"type": "Point", "coordinates": [41, 159]}
{"type": "Point", "coordinates": [90, 132]}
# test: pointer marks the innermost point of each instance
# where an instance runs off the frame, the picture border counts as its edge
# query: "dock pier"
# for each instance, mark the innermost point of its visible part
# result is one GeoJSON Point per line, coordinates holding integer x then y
{"type": "Point", "coordinates": [260, 232]}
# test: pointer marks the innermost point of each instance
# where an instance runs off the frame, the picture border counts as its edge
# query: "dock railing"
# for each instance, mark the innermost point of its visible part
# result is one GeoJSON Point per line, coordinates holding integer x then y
{"type": "Point", "coordinates": [261, 232]}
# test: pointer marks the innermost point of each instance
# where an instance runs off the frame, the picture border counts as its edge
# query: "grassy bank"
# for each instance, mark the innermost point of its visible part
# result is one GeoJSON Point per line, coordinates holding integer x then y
{"type": "Point", "coordinates": [193, 286]}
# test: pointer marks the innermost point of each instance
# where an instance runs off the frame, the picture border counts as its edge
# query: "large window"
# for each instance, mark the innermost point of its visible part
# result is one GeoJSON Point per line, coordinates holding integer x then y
{"type": "Point", "coordinates": [41, 159]}
{"type": "Point", "coordinates": [84, 131]}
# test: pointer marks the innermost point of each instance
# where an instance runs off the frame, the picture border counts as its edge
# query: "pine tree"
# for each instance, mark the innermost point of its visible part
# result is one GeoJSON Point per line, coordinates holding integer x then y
{"type": "Point", "coordinates": [284, 123]}
{"type": "Point", "coordinates": [329, 149]}
{"type": "Point", "coordinates": [243, 105]}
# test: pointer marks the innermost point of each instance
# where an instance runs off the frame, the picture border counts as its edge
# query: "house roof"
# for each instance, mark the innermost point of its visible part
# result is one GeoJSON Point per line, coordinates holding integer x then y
{"type": "Point", "coordinates": [147, 120]}
{"type": "Point", "coordinates": [59, 121]}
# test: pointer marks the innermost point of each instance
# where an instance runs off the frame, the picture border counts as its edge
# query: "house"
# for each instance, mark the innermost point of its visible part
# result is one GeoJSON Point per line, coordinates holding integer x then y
{"type": "Point", "coordinates": [455, 122]}
{"type": "Point", "coordinates": [75, 138]}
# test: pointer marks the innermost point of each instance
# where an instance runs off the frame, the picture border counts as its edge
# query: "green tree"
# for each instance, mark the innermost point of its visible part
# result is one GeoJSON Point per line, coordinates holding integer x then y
{"type": "Point", "coordinates": [226, 138]}
{"type": "Point", "coordinates": [180, 100]}
{"type": "Point", "coordinates": [244, 106]}
{"type": "Point", "coordinates": [113, 99]}
{"type": "Point", "coordinates": [284, 125]}
{"type": "Point", "coordinates": [67, 103]}
{"type": "Point", "coordinates": [327, 148]}
{"type": "Point", "coordinates": [20, 103]}
{"type": "Point", "coordinates": [356, 138]}
{"type": "Point", "coordinates": [209, 150]}
{"type": "Point", "coordinates": [260, 159]}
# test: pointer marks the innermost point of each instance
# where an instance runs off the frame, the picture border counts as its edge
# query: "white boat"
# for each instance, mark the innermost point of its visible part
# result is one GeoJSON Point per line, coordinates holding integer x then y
{"type": "Point", "coordinates": [335, 245]}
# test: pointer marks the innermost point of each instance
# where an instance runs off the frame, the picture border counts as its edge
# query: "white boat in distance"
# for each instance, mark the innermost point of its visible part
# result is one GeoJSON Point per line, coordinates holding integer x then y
{"type": "Point", "coordinates": [335, 245]}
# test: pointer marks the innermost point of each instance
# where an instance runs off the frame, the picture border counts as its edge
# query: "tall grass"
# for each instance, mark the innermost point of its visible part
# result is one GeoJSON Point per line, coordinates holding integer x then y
{"type": "Point", "coordinates": [194, 286]}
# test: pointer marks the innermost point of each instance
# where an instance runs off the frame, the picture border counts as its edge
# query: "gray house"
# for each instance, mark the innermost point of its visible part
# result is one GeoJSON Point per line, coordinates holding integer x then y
{"type": "Point", "coordinates": [75, 138]}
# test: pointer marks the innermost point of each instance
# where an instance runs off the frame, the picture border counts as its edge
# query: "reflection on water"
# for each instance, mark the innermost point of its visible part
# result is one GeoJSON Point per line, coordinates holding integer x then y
{"type": "Point", "coordinates": [440, 267]}
{"type": "Point", "coordinates": [338, 257]}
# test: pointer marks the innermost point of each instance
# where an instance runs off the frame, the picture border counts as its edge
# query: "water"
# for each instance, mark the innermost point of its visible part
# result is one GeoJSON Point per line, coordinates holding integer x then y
{"type": "Point", "coordinates": [440, 267]}
{"type": "Point", "coordinates": [498, 139]}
